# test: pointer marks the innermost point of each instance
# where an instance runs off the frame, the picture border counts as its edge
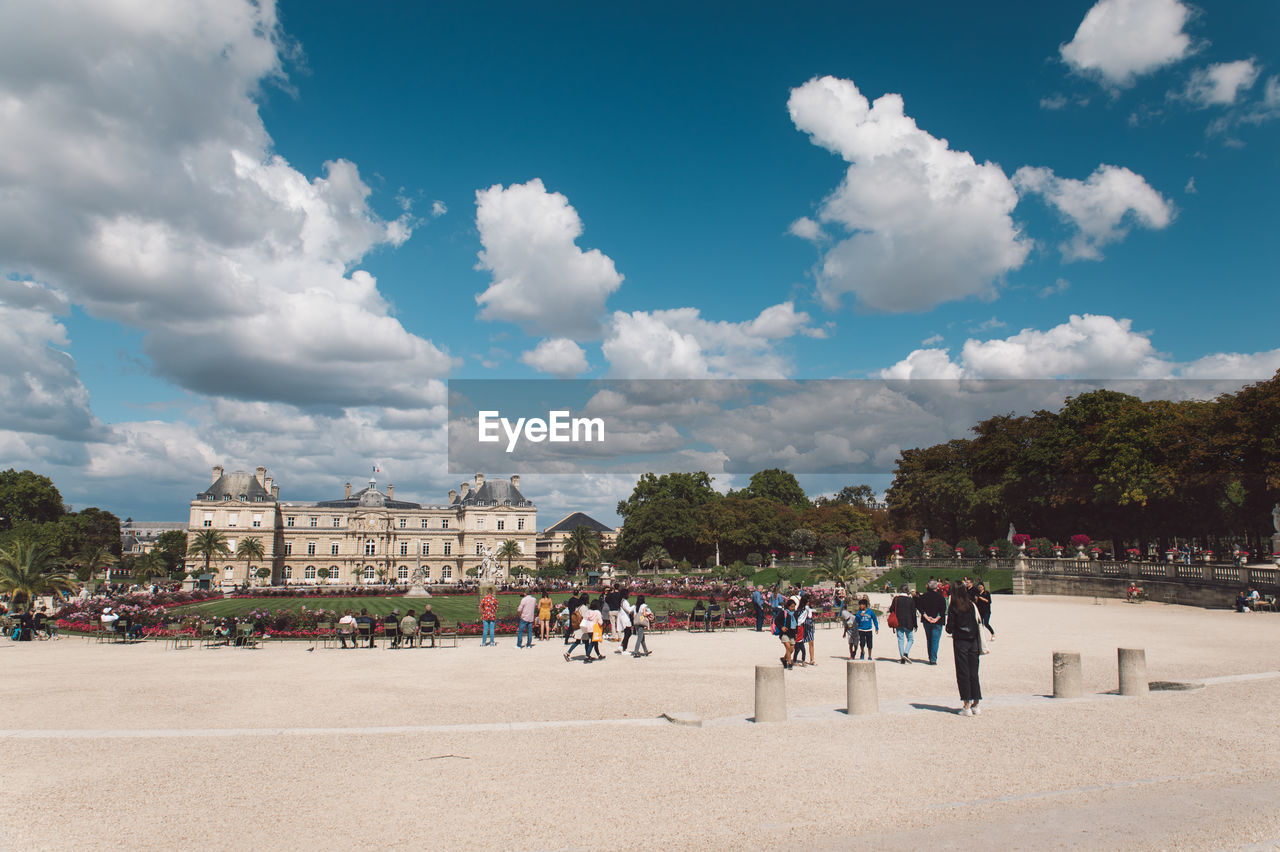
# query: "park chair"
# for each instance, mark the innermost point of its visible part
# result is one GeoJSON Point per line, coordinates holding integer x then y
{"type": "Point", "coordinates": [245, 637]}
{"type": "Point", "coordinates": [328, 634]}
{"type": "Point", "coordinates": [391, 633]}
{"type": "Point", "coordinates": [209, 635]}
{"type": "Point", "coordinates": [442, 635]}
{"type": "Point", "coordinates": [365, 631]}
{"type": "Point", "coordinates": [177, 636]}
{"type": "Point", "coordinates": [717, 621]}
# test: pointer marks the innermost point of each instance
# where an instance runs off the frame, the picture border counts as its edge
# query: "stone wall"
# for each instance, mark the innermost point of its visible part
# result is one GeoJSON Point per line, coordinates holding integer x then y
{"type": "Point", "coordinates": [1207, 585]}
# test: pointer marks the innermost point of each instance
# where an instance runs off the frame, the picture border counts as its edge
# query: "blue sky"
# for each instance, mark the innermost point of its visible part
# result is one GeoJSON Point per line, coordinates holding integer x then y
{"type": "Point", "coordinates": [268, 234]}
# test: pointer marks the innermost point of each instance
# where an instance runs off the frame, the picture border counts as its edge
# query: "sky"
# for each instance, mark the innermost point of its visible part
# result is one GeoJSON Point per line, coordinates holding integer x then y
{"type": "Point", "coordinates": [270, 233]}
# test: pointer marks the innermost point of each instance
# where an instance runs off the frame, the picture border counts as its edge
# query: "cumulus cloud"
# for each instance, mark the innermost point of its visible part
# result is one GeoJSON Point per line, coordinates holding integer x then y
{"type": "Point", "coordinates": [40, 388]}
{"type": "Point", "coordinates": [438, 209]}
{"type": "Point", "coordinates": [681, 344]}
{"type": "Point", "coordinates": [170, 213]}
{"type": "Point", "coordinates": [1222, 83]}
{"type": "Point", "coordinates": [806, 229]}
{"type": "Point", "coordinates": [1120, 40]}
{"type": "Point", "coordinates": [1084, 347]}
{"type": "Point", "coordinates": [558, 356]}
{"type": "Point", "coordinates": [542, 281]}
{"type": "Point", "coordinates": [925, 224]}
{"type": "Point", "coordinates": [1061, 285]}
{"type": "Point", "coordinates": [1100, 209]}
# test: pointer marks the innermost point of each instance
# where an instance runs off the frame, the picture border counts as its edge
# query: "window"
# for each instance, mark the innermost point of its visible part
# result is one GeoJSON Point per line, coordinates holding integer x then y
{"type": "Point", "coordinates": [288, 572]}
{"type": "Point", "coordinates": [370, 548]}
{"type": "Point", "coordinates": [368, 573]}
{"type": "Point", "coordinates": [228, 570]}
{"type": "Point", "coordinates": [309, 573]}
{"type": "Point", "coordinates": [424, 523]}
{"type": "Point", "coordinates": [448, 548]}
{"type": "Point", "coordinates": [444, 525]}
{"type": "Point", "coordinates": [333, 549]}
{"type": "Point", "coordinates": [479, 548]}
{"type": "Point", "coordinates": [479, 523]}
{"type": "Point", "coordinates": [314, 521]}
{"type": "Point", "coordinates": [208, 519]}
{"type": "Point", "coordinates": [446, 572]}
{"type": "Point", "coordinates": [337, 522]}
{"type": "Point", "coordinates": [501, 525]}
{"type": "Point", "coordinates": [231, 545]}
{"type": "Point", "coordinates": [288, 548]}
{"type": "Point", "coordinates": [288, 522]}
{"type": "Point", "coordinates": [311, 548]}
{"type": "Point", "coordinates": [404, 522]}
{"type": "Point", "coordinates": [404, 548]}
{"type": "Point", "coordinates": [426, 572]}
{"type": "Point", "coordinates": [233, 519]}
{"type": "Point", "coordinates": [257, 519]}
{"type": "Point", "coordinates": [519, 523]}
{"type": "Point", "coordinates": [426, 549]}
{"type": "Point", "coordinates": [403, 572]}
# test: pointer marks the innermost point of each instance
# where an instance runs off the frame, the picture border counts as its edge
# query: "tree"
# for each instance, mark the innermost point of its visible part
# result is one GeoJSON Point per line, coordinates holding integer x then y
{"type": "Point", "coordinates": [148, 566]}
{"type": "Point", "coordinates": [171, 548]}
{"type": "Point", "coordinates": [248, 549]}
{"type": "Point", "coordinates": [778, 486]}
{"type": "Point", "coordinates": [95, 558]}
{"type": "Point", "coordinates": [841, 568]}
{"type": "Point", "coordinates": [861, 496]}
{"type": "Point", "coordinates": [26, 572]}
{"type": "Point", "coordinates": [655, 557]}
{"type": "Point", "coordinates": [508, 550]}
{"type": "Point", "coordinates": [582, 547]}
{"type": "Point", "coordinates": [803, 540]}
{"type": "Point", "coordinates": [324, 573]}
{"type": "Point", "coordinates": [665, 510]}
{"type": "Point", "coordinates": [208, 543]}
{"type": "Point", "coordinates": [28, 496]}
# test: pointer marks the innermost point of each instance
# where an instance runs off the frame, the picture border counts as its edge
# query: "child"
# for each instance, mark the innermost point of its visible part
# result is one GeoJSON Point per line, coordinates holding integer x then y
{"type": "Point", "coordinates": [858, 626]}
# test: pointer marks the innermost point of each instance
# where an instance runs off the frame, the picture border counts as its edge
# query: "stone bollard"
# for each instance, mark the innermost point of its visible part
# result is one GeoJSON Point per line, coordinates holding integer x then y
{"type": "Point", "coordinates": [1068, 681]}
{"type": "Point", "coordinates": [860, 688]}
{"type": "Point", "coordinates": [771, 694]}
{"type": "Point", "coordinates": [1133, 671]}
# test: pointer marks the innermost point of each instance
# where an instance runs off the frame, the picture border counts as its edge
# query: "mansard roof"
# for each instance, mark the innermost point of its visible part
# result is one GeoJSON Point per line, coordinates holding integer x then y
{"type": "Point", "coordinates": [367, 498]}
{"type": "Point", "coordinates": [573, 521]}
{"type": "Point", "coordinates": [237, 485]}
{"type": "Point", "coordinates": [493, 492]}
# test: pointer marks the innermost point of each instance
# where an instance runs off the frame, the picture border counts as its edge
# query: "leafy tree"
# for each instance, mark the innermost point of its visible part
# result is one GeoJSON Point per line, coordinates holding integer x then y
{"type": "Point", "coordinates": [860, 496]}
{"type": "Point", "coordinates": [263, 573]}
{"type": "Point", "coordinates": [803, 540]}
{"type": "Point", "coordinates": [324, 573]}
{"type": "Point", "coordinates": [96, 558]}
{"type": "Point", "coordinates": [777, 486]}
{"type": "Point", "coordinates": [147, 567]}
{"type": "Point", "coordinates": [28, 496]}
{"type": "Point", "coordinates": [666, 510]}
{"type": "Point", "coordinates": [843, 569]}
{"type": "Point", "coordinates": [655, 557]}
{"type": "Point", "coordinates": [208, 543]}
{"type": "Point", "coordinates": [551, 571]}
{"type": "Point", "coordinates": [248, 549]}
{"type": "Point", "coordinates": [509, 550]}
{"type": "Point", "coordinates": [582, 547]}
{"type": "Point", "coordinates": [26, 572]}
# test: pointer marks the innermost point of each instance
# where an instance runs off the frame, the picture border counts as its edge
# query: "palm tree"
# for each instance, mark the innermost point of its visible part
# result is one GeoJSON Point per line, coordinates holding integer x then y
{"type": "Point", "coordinates": [96, 557]}
{"type": "Point", "coordinates": [655, 556]}
{"type": "Point", "coordinates": [26, 572]}
{"type": "Point", "coordinates": [583, 544]}
{"type": "Point", "coordinates": [509, 550]}
{"type": "Point", "coordinates": [841, 568]}
{"type": "Point", "coordinates": [208, 543]}
{"type": "Point", "coordinates": [147, 566]}
{"type": "Point", "coordinates": [248, 549]}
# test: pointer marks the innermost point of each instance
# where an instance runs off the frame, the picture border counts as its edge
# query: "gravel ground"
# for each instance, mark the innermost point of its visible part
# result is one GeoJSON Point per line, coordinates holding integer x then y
{"type": "Point", "coordinates": [494, 748]}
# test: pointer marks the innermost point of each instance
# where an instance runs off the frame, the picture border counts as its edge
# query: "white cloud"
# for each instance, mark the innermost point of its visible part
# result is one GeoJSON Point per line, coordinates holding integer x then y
{"type": "Point", "coordinates": [169, 213]}
{"type": "Point", "coordinates": [438, 209]}
{"type": "Point", "coordinates": [1222, 83]}
{"type": "Point", "coordinates": [1100, 208]}
{"type": "Point", "coordinates": [1059, 286]}
{"type": "Point", "coordinates": [1119, 40]}
{"type": "Point", "coordinates": [680, 344]}
{"type": "Point", "coordinates": [1085, 347]}
{"type": "Point", "coordinates": [926, 224]}
{"type": "Point", "coordinates": [40, 388]}
{"type": "Point", "coordinates": [1190, 188]}
{"type": "Point", "coordinates": [541, 279]}
{"type": "Point", "coordinates": [558, 356]}
{"type": "Point", "coordinates": [806, 229]}
{"type": "Point", "coordinates": [932, 340]}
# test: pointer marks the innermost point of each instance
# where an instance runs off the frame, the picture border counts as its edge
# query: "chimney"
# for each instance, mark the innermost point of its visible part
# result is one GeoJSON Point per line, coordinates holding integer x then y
{"type": "Point", "coordinates": [267, 484]}
{"type": "Point", "coordinates": [275, 492]}
{"type": "Point", "coordinates": [453, 496]}
{"type": "Point", "coordinates": [479, 480]}
{"type": "Point", "coordinates": [465, 488]}
{"type": "Point", "coordinates": [391, 491]}
{"type": "Point", "coordinates": [346, 493]}
{"type": "Point", "coordinates": [262, 476]}
{"type": "Point", "coordinates": [217, 473]}
{"type": "Point", "coordinates": [515, 480]}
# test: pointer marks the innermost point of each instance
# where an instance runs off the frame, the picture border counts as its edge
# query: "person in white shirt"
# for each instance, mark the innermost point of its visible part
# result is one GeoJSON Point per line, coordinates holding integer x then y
{"type": "Point", "coordinates": [528, 610]}
{"type": "Point", "coordinates": [347, 628]}
{"type": "Point", "coordinates": [109, 619]}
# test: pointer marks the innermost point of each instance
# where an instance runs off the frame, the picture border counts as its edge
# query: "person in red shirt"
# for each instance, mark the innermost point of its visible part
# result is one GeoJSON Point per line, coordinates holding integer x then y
{"type": "Point", "coordinates": [488, 617]}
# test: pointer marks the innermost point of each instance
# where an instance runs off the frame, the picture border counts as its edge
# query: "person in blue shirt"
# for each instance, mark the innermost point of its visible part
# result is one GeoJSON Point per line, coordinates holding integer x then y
{"type": "Point", "coordinates": [858, 628]}
{"type": "Point", "coordinates": [757, 601]}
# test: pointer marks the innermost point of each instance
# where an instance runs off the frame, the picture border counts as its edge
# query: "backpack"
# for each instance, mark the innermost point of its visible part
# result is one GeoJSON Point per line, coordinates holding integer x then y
{"type": "Point", "coordinates": [575, 620]}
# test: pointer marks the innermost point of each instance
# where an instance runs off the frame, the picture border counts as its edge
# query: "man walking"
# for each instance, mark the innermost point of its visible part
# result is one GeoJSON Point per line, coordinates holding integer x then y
{"type": "Point", "coordinates": [528, 609]}
{"type": "Point", "coordinates": [757, 601]}
{"type": "Point", "coordinates": [933, 614]}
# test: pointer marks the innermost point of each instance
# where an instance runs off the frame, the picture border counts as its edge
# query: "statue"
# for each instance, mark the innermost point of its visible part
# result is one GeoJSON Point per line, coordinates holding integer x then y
{"type": "Point", "coordinates": [924, 539]}
{"type": "Point", "coordinates": [488, 566]}
{"type": "Point", "coordinates": [1012, 533]}
{"type": "Point", "coordinates": [1275, 517]}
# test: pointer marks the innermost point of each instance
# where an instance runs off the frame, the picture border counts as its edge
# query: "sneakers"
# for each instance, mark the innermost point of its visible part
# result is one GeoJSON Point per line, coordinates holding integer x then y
{"type": "Point", "coordinates": [977, 711]}
{"type": "Point", "coordinates": [965, 711]}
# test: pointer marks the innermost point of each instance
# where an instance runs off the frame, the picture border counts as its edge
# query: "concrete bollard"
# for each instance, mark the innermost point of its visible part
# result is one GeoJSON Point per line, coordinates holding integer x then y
{"type": "Point", "coordinates": [1133, 671]}
{"type": "Point", "coordinates": [1068, 680]}
{"type": "Point", "coordinates": [771, 694]}
{"type": "Point", "coordinates": [860, 688]}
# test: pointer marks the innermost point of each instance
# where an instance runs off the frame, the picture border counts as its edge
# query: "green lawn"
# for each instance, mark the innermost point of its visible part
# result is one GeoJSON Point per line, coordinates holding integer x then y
{"type": "Point", "coordinates": [448, 607]}
{"type": "Point", "coordinates": [1000, 580]}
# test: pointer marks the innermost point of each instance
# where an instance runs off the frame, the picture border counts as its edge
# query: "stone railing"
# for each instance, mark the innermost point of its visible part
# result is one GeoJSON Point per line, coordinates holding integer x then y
{"type": "Point", "coordinates": [1203, 584]}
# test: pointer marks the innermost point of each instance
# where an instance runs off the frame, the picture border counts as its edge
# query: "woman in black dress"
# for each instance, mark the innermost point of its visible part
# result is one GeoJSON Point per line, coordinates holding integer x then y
{"type": "Point", "coordinates": [962, 624]}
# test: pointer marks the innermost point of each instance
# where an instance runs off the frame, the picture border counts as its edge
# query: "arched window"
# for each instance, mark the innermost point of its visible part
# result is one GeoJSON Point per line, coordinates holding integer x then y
{"type": "Point", "coordinates": [308, 573]}
{"type": "Point", "coordinates": [403, 572]}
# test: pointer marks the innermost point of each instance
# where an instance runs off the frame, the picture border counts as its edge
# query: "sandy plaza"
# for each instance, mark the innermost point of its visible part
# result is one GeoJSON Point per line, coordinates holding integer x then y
{"type": "Point", "coordinates": [144, 746]}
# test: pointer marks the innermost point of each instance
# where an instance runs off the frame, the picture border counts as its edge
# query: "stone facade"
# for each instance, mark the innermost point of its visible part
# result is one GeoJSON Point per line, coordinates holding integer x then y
{"type": "Point", "coordinates": [551, 541]}
{"type": "Point", "coordinates": [368, 536]}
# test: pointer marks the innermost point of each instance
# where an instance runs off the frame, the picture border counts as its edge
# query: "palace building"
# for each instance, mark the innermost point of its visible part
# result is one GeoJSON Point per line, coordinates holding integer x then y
{"type": "Point", "coordinates": [362, 537]}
